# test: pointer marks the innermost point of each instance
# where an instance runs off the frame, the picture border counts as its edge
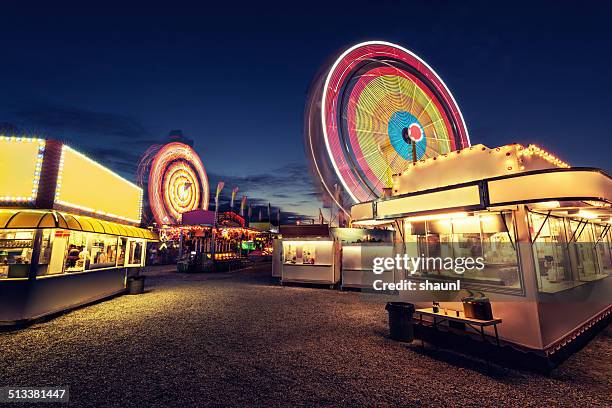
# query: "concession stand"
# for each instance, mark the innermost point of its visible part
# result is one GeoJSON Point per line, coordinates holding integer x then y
{"type": "Point", "coordinates": [68, 229]}
{"type": "Point", "coordinates": [359, 248]}
{"type": "Point", "coordinates": [310, 254]}
{"type": "Point", "coordinates": [316, 253]}
{"type": "Point", "coordinates": [542, 227]}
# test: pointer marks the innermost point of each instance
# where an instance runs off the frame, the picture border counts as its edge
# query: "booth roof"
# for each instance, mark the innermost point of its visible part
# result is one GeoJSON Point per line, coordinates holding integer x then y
{"type": "Point", "coordinates": [20, 219]}
{"type": "Point", "coordinates": [304, 230]}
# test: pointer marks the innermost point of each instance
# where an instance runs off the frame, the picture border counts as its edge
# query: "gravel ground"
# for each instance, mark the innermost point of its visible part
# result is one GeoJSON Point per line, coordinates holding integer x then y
{"type": "Point", "coordinates": [239, 339]}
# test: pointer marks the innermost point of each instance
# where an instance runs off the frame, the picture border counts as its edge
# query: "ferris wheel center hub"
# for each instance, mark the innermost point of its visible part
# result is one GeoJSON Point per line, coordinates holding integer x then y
{"type": "Point", "coordinates": [412, 133]}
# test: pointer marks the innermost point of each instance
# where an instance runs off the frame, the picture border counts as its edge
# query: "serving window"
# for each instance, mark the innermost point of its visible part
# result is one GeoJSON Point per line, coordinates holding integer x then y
{"type": "Point", "coordinates": [102, 251]}
{"type": "Point", "coordinates": [76, 257]}
{"type": "Point", "coordinates": [308, 252]}
{"type": "Point", "coordinates": [489, 236]}
{"type": "Point", "coordinates": [568, 252]}
{"type": "Point", "coordinates": [67, 251]}
{"type": "Point", "coordinates": [135, 253]}
{"type": "Point", "coordinates": [15, 253]}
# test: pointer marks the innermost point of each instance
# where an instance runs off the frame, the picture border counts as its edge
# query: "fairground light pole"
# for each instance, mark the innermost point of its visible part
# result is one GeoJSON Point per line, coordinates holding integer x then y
{"type": "Point", "coordinates": [214, 231]}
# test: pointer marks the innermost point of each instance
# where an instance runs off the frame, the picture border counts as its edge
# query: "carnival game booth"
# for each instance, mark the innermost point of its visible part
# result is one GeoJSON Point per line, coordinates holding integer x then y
{"type": "Point", "coordinates": [208, 245]}
{"type": "Point", "coordinates": [68, 229]}
{"type": "Point", "coordinates": [310, 254]}
{"type": "Point", "coordinates": [263, 243]}
{"type": "Point", "coordinates": [542, 227]}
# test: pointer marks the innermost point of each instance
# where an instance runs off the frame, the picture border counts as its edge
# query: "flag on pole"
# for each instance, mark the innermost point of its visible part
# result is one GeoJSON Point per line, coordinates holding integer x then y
{"type": "Point", "coordinates": [243, 205]}
{"type": "Point", "coordinates": [219, 188]}
{"type": "Point", "coordinates": [234, 192]}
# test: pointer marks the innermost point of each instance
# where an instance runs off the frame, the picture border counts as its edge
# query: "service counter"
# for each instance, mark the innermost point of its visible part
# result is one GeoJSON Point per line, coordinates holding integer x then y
{"type": "Point", "coordinates": [28, 299]}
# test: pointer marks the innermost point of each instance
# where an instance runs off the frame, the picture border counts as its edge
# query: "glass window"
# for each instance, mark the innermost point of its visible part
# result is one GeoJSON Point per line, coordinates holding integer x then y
{"type": "Point", "coordinates": [488, 236]}
{"type": "Point", "coordinates": [45, 252]}
{"type": "Point", "coordinates": [550, 251]}
{"type": "Point", "coordinates": [603, 248]}
{"type": "Point", "coordinates": [309, 255]}
{"type": "Point", "coordinates": [121, 251]}
{"type": "Point", "coordinates": [308, 252]}
{"type": "Point", "coordinates": [291, 253]}
{"type": "Point", "coordinates": [583, 251]}
{"type": "Point", "coordinates": [102, 250]}
{"type": "Point", "coordinates": [45, 247]}
{"type": "Point", "coordinates": [499, 250]}
{"type": "Point", "coordinates": [57, 259]}
{"type": "Point", "coordinates": [15, 253]}
{"type": "Point", "coordinates": [135, 253]}
{"type": "Point", "coordinates": [569, 252]}
{"type": "Point", "coordinates": [77, 256]}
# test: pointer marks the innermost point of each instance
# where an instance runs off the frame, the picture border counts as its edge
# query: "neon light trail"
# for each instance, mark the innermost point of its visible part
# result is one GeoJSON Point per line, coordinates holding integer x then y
{"type": "Point", "coordinates": [177, 183]}
{"type": "Point", "coordinates": [376, 99]}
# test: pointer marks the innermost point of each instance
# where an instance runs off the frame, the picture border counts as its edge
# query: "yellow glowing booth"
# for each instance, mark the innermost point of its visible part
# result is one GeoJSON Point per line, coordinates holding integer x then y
{"type": "Point", "coordinates": [68, 229]}
{"type": "Point", "coordinates": [542, 227]}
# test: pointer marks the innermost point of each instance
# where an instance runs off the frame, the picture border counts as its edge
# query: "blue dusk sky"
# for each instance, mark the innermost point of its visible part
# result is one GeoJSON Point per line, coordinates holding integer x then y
{"type": "Point", "coordinates": [113, 78]}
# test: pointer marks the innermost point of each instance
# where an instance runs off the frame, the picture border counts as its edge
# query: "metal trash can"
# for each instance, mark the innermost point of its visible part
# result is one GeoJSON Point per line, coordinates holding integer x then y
{"type": "Point", "coordinates": [135, 285]}
{"type": "Point", "coordinates": [400, 321]}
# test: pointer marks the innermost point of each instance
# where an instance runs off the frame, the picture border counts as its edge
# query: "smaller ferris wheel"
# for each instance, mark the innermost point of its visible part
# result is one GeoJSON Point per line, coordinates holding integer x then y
{"type": "Point", "coordinates": [176, 182]}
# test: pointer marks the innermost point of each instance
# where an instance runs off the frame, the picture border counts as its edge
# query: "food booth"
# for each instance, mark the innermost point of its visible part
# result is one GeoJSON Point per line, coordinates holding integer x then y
{"type": "Point", "coordinates": [542, 227]}
{"type": "Point", "coordinates": [359, 248]}
{"type": "Point", "coordinates": [310, 254]}
{"type": "Point", "coordinates": [318, 254]}
{"type": "Point", "coordinates": [68, 229]}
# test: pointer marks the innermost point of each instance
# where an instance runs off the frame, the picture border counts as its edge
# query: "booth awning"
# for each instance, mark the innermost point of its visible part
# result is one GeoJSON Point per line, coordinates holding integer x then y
{"type": "Point", "coordinates": [591, 187]}
{"type": "Point", "coordinates": [15, 218]}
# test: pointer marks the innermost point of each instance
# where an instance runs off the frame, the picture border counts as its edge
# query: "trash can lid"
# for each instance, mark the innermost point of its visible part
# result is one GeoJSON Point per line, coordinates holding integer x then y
{"type": "Point", "coordinates": [399, 305]}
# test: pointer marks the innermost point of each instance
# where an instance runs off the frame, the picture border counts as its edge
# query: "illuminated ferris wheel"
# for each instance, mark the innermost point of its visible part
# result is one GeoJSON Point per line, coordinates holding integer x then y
{"type": "Point", "coordinates": [176, 180]}
{"type": "Point", "coordinates": [377, 109]}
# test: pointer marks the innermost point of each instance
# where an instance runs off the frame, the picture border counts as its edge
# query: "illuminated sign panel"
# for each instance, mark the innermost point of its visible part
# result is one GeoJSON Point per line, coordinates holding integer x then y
{"type": "Point", "coordinates": [88, 186]}
{"type": "Point", "coordinates": [20, 164]}
{"type": "Point", "coordinates": [455, 198]}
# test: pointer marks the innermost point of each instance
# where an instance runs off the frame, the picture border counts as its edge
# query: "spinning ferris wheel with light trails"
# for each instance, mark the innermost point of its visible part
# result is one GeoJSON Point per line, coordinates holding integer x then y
{"type": "Point", "coordinates": [176, 182]}
{"type": "Point", "coordinates": [370, 114]}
